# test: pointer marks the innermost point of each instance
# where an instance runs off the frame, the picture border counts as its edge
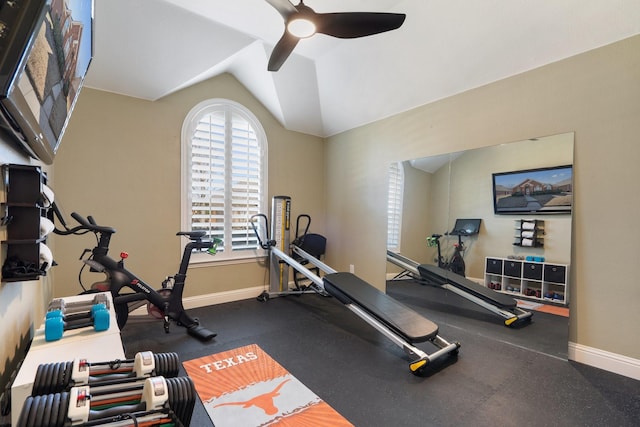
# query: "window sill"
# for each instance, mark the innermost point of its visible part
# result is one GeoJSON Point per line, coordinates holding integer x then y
{"type": "Point", "coordinates": [212, 261]}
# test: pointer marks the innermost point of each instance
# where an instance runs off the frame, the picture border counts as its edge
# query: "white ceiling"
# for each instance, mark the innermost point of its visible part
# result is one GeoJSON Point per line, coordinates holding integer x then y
{"type": "Point", "coordinates": [151, 48]}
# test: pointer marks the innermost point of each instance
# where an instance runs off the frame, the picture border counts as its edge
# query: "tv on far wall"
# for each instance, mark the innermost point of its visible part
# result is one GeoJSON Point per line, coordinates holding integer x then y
{"type": "Point", "coordinates": [546, 190]}
{"type": "Point", "coordinates": [46, 47]}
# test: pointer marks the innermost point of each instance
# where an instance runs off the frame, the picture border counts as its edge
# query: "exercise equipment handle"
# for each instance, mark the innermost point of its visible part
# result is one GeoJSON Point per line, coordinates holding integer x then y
{"type": "Point", "coordinates": [91, 225]}
{"type": "Point", "coordinates": [116, 411]}
{"type": "Point", "coordinates": [306, 229]}
{"type": "Point", "coordinates": [261, 218]}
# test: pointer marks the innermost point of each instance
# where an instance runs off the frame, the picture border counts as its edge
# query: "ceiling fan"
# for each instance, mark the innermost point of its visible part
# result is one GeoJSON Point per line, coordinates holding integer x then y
{"type": "Point", "coordinates": [301, 22]}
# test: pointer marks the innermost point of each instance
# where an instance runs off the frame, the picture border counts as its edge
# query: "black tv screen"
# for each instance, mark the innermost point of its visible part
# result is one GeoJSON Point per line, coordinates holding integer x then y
{"type": "Point", "coordinates": [466, 227]}
{"type": "Point", "coordinates": [534, 191]}
{"type": "Point", "coordinates": [46, 47]}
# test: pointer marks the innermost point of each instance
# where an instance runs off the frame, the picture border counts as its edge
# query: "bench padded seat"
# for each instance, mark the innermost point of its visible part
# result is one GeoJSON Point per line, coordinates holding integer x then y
{"type": "Point", "coordinates": [350, 289]}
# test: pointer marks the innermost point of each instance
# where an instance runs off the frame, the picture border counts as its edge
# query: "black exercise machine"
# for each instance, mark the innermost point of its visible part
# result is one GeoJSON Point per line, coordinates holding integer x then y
{"type": "Point", "coordinates": [496, 302]}
{"type": "Point", "coordinates": [127, 289]}
{"type": "Point", "coordinates": [312, 243]}
{"type": "Point", "coordinates": [462, 227]}
{"type": "Point", "coordinates": [394, 320]}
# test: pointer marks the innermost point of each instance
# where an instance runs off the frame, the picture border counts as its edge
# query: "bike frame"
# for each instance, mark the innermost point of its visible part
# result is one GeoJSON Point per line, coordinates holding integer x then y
{"type": "Point", "coordinates": [118, 278]}
{"type": "Point", "coordinates": [455, 262]}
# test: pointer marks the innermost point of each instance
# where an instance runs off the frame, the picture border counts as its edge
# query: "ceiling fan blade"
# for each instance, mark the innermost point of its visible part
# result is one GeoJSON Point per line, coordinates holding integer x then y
{"type": "Point", "coordinates": [349, 25]}
{"type": "Point", "coordinates": [284, 7]}
{"type": "Point", "coordinates": [282, 50]}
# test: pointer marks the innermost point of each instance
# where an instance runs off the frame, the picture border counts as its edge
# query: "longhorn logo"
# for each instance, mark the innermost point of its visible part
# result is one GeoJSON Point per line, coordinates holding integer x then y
{"type": "Point", "coordinates": [263, 401]}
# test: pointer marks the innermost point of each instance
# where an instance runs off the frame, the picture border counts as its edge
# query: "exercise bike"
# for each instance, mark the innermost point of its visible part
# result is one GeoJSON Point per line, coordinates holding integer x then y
{"type": "Point", "coordinates": [128, 290]}
{"type": "Point", "coordinates": [463, 227]}
{"type": "Point", "coordinates": [456, 262]}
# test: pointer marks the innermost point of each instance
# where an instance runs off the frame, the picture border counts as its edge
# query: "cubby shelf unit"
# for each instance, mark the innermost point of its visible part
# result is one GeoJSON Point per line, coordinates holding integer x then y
{"type": "Point", "coordinates": [539, 281]}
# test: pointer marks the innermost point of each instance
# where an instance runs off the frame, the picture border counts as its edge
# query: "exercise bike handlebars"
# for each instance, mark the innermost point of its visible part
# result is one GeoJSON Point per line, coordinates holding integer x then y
{"type": "Point", "coordinates": [91, 225]}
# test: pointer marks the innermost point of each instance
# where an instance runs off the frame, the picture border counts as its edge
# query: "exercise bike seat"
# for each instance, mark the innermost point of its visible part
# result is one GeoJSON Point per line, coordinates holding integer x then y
{"type": "Point", "coordinates": [350, 289]}
{"type": "Point", "coordinates": [193, 235]}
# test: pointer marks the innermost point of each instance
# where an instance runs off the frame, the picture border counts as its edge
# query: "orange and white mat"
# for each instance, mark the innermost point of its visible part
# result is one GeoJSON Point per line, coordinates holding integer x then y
{"type": "Point", "coordinates": [544, 308]}
{"type": "Point", "coordinates": [245, 387]}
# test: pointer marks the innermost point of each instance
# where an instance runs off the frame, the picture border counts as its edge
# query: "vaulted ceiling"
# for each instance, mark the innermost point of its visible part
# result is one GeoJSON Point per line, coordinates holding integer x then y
{"type": "Point", "coordinates": [151, 48]}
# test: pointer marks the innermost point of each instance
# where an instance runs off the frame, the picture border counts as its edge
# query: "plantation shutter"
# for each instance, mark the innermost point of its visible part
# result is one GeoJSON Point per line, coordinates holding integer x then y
{"type": "Point", "coordinates": [245, 186]}
{"type": "Point", "coordinates": [394, 206]}
{"type": "Point", "coordinates": [226, 171]}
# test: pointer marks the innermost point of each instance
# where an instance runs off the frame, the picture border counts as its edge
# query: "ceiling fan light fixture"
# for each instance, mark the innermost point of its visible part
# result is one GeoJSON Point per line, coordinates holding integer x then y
{"type": "Point", "coordinates": [301, 27]}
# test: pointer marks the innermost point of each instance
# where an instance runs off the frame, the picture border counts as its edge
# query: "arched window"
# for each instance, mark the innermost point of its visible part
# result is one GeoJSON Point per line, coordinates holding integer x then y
{"type": "Point", "coordinates": [394, 206]}
{"type": "Point", "coordinates": [224, 171]}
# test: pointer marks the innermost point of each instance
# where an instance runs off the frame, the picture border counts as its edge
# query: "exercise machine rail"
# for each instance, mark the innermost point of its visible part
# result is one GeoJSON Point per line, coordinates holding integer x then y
{"type": "Point", "coordinates": [497, 303]}
{"type": "Point", "coordinates": [375, 316]}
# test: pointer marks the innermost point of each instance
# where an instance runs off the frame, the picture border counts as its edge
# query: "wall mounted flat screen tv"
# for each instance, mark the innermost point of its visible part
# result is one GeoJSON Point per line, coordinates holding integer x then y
{"type": "Point", "coordinates": [534, 191]}
{"type": "Point", "coordinates": [46, 47]}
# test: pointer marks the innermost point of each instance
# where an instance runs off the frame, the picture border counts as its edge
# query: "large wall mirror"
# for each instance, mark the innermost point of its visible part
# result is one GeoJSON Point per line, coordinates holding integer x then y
{"type": "Point", "coordinates": [439, 190]}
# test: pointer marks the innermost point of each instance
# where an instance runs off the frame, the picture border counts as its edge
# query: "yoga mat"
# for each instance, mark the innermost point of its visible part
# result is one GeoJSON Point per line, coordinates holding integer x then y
{"type": "Point", "coordinates": [245, 387]}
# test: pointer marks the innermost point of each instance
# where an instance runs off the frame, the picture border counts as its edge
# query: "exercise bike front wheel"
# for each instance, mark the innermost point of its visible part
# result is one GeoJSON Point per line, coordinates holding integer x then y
{"type": "Point", "coordinates": [155, 311]}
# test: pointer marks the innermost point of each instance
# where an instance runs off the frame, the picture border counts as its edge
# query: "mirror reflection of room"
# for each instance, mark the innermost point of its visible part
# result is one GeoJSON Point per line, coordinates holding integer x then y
{"type": "Point", "coordinates": [440, 193]}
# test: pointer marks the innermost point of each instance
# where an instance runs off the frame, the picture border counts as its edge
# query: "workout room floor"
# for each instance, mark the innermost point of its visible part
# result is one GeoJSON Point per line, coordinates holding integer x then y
{"type": "Point", "coordinates": [502, 376]}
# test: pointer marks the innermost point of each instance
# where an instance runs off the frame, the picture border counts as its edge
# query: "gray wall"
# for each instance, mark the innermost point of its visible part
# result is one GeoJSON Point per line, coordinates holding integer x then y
{"type": "Point", "coordinates": [595, 95]}
{"type": "Point", "coordinates": [120, 163]}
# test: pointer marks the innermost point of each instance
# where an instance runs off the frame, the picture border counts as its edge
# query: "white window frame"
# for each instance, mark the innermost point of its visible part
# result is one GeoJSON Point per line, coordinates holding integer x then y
{"type": "Point", "coordinates": [395, 192]}
{"type": "Point", "coordinates": [188, 128]}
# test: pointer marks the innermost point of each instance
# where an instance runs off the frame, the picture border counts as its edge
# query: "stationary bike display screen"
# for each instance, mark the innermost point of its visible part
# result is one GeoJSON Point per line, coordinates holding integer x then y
{"type": "Point", "coordinates": [466, 227]}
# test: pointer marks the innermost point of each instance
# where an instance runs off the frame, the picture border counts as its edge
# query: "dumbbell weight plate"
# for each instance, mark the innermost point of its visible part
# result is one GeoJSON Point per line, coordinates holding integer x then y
{"type": "Point", "coordinates": [53, 328]}
{"type": "Point", "coordinates": [101, 320]}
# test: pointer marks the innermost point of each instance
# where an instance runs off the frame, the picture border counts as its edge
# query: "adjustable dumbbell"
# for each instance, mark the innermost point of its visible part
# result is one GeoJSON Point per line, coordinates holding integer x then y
{"type": "Point", "coordinates": [60, 304]}
{"type": "Point", "coordinates": [56, 322]}
{"type": "Point", "coordinates": [155, 394]}
{"type": "Point", "coordinates": [154, 401]}
{"type": "Point", "coordinates": [61, 376]}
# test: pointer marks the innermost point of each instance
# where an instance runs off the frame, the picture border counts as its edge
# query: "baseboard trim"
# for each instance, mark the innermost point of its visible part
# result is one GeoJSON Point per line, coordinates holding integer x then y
{"type": "Point", "coordinates": [211, 299]}
{"type": "Point", "coordinates": [608, 361]}
{"type": "Point", "coordinates": [222, 297]}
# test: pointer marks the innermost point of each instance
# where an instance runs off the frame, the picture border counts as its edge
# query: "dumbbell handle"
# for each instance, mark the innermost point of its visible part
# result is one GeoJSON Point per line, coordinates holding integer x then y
{"type": "Point", "coordinates": [70, 317]}
{"type": "Point", "coordinates": [55, 326]}
{"type": "Point", "coordinates": [78, 306]}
